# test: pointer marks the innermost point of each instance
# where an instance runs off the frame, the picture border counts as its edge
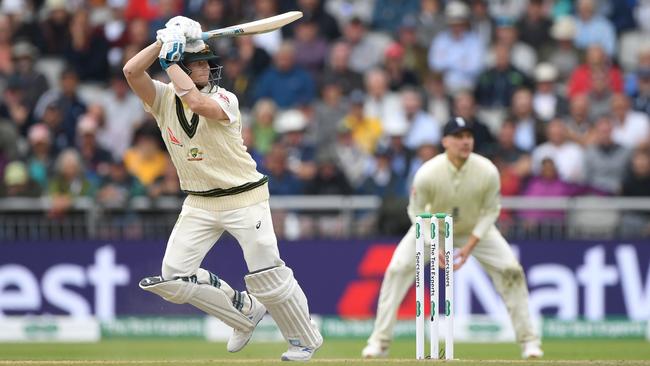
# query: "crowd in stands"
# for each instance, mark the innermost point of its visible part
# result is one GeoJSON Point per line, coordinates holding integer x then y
{"type": "Point", "coordinates": [348, 100]}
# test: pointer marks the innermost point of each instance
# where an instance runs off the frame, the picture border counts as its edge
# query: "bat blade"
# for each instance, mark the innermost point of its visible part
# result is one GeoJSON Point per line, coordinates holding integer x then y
{"type": "Point", "coordinates": [255, 27]}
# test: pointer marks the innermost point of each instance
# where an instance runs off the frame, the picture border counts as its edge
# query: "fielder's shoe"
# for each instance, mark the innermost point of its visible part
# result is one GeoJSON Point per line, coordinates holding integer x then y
{"type": "Point", "coordinates": [239, 339]}
{"type": "Point", "coordinates": [374, 350]}
{"type": "Point", "coordinates": [531, 350]}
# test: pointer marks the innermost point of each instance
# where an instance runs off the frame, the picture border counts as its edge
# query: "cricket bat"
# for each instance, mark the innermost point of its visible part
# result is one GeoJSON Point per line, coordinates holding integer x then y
{"type": "Point", "coordinates": [255, 27]}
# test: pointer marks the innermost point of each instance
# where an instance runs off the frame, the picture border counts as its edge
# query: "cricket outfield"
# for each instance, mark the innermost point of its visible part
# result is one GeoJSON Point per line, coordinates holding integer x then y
{"type": "Point", "coordinates": [333, 352]}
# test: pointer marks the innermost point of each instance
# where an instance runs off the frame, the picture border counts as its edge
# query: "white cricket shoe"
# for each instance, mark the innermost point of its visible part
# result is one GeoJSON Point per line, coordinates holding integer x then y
{"type": "Point", "coordinates": [531, 349]}
{"type": "Point", "coordinates": [298, 354]}
{"type": "Point", "coordinates": [374, 350]}
{"type": "Point", "coordinates": [239, 339]}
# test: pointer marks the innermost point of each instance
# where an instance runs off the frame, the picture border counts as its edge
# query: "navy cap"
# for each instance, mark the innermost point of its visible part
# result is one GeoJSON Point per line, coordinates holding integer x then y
{"type": "Point", "coordinates": [456, 125]}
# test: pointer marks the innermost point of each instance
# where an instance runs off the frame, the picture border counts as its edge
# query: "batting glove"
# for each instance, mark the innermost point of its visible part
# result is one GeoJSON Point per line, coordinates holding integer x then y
{"type": "Point", "coordinates": [191, 29]}
{"type": "Point", "coordinates": [173, 46]}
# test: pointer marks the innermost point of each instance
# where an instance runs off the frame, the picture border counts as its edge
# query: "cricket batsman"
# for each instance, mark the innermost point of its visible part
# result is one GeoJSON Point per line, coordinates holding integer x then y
{"type": "Point", "coordinates": [466, 185]}
{"type": "Point", "coordinates": [201, 126]}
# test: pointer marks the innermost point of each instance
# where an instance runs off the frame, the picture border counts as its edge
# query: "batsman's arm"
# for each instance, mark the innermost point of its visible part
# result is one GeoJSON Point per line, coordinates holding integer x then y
{"type": "Point", "coordinates": [199, 103]}
{"type": "Point", "coordinates": [491, 206]}
{"type": "Point", "coordinates": [135, 71]}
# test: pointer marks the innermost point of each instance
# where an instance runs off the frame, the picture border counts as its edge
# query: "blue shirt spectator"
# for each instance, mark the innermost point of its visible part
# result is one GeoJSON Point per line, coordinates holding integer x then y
{"type": "Point", "coordinates": [285, 83]}
{"type": "Point", "coordinates": [388, 14]}
{"type": "Point", "coordinates": [594, 29]}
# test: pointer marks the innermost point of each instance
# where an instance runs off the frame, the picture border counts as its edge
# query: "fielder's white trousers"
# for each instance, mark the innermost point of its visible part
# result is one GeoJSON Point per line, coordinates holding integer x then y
{"type": "Point", "coordinates": [495, 256]}
{"type": "Point", "coordinates": [197, 230]}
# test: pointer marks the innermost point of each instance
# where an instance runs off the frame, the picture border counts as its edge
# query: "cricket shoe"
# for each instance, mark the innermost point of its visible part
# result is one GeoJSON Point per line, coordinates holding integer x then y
{"type": "Point", "coordinates": [239, 338]}
{"type": "Point", "coordinates": [374, 350]}
{"type": "Point", "coordinates": [531, 350]}
{"type": "Point", "coordinates": [299, 353]}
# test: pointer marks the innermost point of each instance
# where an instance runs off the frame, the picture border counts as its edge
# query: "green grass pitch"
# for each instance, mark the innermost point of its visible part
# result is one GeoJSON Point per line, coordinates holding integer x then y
{"type": "Point", "coordinates": [333, 352]}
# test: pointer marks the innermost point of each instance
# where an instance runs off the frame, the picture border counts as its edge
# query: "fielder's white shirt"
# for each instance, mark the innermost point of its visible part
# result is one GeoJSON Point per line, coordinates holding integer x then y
{"type": "Point", "coordinates": [471, 194]}
{"type": "Point", "coordinates": [209, 155]}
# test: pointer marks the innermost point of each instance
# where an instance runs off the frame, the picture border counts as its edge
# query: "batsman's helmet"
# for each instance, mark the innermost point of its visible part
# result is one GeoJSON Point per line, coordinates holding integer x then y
{"type": "Point", "coordinates": [204, 55]}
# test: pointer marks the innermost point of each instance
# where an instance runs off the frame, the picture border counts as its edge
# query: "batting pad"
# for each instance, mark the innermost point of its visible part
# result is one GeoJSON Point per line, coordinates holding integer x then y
{"type": "Point", "coordinates": [281, 294]}
{"type": "Point", "coordinates": [205, 297]}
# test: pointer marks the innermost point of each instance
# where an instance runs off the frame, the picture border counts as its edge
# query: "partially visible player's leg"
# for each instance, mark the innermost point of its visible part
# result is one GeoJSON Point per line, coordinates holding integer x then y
{"type": "Point", "coordinates": [397, 281]}
{"type": "Point", "coordinates": [182, 280]}
{"type": "Point", "coordinates": [498, 260]}
{"type": "Point", "coordinates": [273, 283]}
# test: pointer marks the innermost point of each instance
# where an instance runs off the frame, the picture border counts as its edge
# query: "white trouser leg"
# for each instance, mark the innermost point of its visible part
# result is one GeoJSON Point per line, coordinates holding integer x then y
{"type": "Point", "coordinates": [496, 257]}
{"type": "Point", "coordinates": [398, 279]}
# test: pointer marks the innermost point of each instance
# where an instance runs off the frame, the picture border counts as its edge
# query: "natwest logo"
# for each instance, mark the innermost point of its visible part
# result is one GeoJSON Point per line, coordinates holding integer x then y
{"type": "Point", "coordinates": [21, 291]}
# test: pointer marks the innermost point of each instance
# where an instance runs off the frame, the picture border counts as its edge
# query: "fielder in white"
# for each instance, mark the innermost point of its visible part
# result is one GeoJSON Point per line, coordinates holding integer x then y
{"type": "Point", "coordinates": [201, 126]}
{"type": "Point", "coordinates": [467, 186]}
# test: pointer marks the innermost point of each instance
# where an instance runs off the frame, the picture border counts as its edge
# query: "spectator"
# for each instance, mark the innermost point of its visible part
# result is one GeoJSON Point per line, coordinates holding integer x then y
{"type": "Point", "coordinates": [55, 28]}
{"type": "Point", "coordinates": [96, 160]}
{"type": "Point", "coordinates": [13, 107]}
{"type": "Point", "coordinates": [563, 55]}
{"type": "Point", "coordinates": [641, 98]}
{"type": "Point", "coordinates": [429, 22]}
{"type": "Point", "coordinates": [398, 74]}
{"type": "Point", "coordinates": [8, 142]}
{"type": "Point", "coordinates": [595, 61]}
{"type": "Point", "coordinates": [381, 103]}
{"type": "Point", "coordinates": [145, 159]}
{"type": "Point", "coordinates": [547, 103]}
{"type": "Point", "coordinates": [643, 63]}
{"type": "Point", "coordinates": [546, 183]}
{"type": "Point", "coordinates": [637, 184]}
{"type": "Point", "coordinates": [423, 128]}
{"type": "Point", "coordinates": [249, 144]}
{"type": "Point", "coordinates": [511, 160]}
{"type": "Point", "coordinates": [168, 184]}
{"type": "Point", "coordinates": [439, 102]}
{"type": "Point", "coordinates": [214, 14]}
{"type": "Point", "coordinates": [311, 47]}
{"type": "Point", "coordinates": [17, 183]}
{"type": "Point", "coordinates": [271, 42]}
{"type": "Point", "coordinates": [32, 82]}
{"type": "Point", "coordinates": [593, 29]}
{"type": "Point", "coordinates": [346, 10]}
{"type": "Point", "coordinates": [68, 183]}
{"type": "Point", "coordinates": [423, 152]}
{"type": "Point", "coordinates": [115, 33]}
{"type": "Point", "coordinates": [67, 101]}
{"type": "Point", "coordinates": [118, 187]}
{"type": "Point", "coordinates": [388, 14]}
{"type": "Point", "coordinates": [40, 163]}
{"type": "Point", "coordinates": [579, 122]}
{"type": "Point", "coordinates": [282, 181]}
{"type": "Point", "coordinates": [166, 10]}
{"type": "Point", "coordinates": [123, 115]}
{"type": "Point", "coordinates": [297, 85]}
{"type": "Point", "coordinates": [301, 154]}
{"type": "Point", "coordinates": [415, 55]}
{"type": "Point", "coordinates": [350, 157]}
{"type": "Point", "coordinates": [382, 180]}
{"type": "Point", "coordinates": [632, 39]}
{"type": "Point", "coordinates": [329, 179]}
{"type": "Point", "coordinates": [465, 107]}
{"type": "Point", "coordinates": [366, 48]}
{"type": "Point", "coordinates": [87, 51]}
{"type": "Point", "coordinates": [567, 155]}
{"type": "Point", "coordinates": [522, 56]}
{"type": "Point", "coordinates": [600, 95]}
{"type": "Point", "coordinates": [457, 52]}
{"type": "Point", "coordinates": [605, 160]}
{"type": "Point", "coordinates": [400, 155]}
{"type": "Point", "coordinates": [338, 70]}
{"type": "Point", "coordinates": [534, 28]}
{"type": "Point", "coordinates": [314, 9]}
{"type": "Point", "coordinates": [365, 130]}
{"type": "Point", "coordinates": [482, 23]}
{"type": "Point", "coordinates": [496, 85]}
{"type": "Point", "coordinates": [255, 59]}
{"type": "Point", "coordinates": [329, 110]}
{"type": "Point", "coordinates": [262, 129]}
{"type": "Point", "coordinates": [631, 128]}
{"type": "Point", "coordinates": [528, 130]}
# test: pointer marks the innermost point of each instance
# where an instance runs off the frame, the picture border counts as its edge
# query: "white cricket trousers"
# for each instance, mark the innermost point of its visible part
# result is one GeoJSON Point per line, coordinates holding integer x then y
{"type": "Point", "coordinates": [197, 230]}
{"type": "Point", "coordinates": [495, 256]}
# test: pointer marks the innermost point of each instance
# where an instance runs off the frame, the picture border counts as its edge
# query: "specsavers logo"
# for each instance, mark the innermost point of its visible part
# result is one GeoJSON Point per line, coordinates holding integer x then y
{"type": "Point", "coordinates": [194, 154]}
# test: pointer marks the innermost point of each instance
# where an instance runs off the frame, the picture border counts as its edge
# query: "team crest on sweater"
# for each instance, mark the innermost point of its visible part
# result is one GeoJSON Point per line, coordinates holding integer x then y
{"type": "Point", "coordinates": [194, 154]}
